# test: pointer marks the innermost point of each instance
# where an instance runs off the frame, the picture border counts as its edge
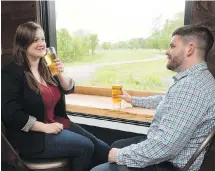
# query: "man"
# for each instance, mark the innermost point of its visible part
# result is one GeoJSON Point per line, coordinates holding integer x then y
{"type": "Point", "coordinates": [183, 117]}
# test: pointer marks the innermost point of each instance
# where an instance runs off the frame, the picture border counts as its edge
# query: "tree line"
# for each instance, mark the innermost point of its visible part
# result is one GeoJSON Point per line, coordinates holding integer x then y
{"type": "Point", "coordinates": [80, 44]}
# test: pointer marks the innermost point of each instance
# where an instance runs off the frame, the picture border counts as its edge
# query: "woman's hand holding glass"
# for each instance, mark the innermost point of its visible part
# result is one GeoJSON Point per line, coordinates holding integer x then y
{"type": "Point", "coordinates": [53, 61]}
{"type": "Point", "coordinates": [59, 65]}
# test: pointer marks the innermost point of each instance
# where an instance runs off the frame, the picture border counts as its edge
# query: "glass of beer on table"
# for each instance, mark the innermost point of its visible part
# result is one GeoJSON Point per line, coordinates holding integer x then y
{"type": "Point", "coordinates": [116, 91]}
{"type": "Point", "coordinates": [50, 57]}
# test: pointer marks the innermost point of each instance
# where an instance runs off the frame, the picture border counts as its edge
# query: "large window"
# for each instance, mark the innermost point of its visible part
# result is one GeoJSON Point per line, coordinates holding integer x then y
{"type": "Point", "coordinates": [104, 41]}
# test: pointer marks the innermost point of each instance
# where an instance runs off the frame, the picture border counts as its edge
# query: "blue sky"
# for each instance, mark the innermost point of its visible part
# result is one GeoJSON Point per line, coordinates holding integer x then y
{"type": "Point", "coordinates": [115, 20]}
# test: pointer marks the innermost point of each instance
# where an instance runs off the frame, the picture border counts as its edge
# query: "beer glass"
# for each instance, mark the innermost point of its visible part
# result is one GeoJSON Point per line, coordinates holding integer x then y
{"type": "Point", "coordinates": [116, 91]}
{"type": "Point", "coordinates": [50, 57]}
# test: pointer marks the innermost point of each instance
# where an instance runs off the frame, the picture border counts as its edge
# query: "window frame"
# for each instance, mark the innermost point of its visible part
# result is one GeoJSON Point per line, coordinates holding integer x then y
{"type": "Point", "coordinates": [48, 22]}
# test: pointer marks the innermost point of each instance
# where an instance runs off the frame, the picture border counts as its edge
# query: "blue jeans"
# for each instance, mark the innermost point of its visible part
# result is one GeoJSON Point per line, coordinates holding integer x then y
{"type": "Point", "coordinates": [82, 148]}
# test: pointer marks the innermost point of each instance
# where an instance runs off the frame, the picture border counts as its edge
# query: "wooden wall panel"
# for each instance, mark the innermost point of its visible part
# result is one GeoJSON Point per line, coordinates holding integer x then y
{"type": "Point", "coordinates": [14, 13]}
{"type": "Point", "coordinates": [203, 12]}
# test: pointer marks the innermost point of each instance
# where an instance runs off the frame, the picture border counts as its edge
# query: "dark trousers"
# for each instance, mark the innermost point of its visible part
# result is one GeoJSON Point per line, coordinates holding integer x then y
{"type": "Point", "coordinates": [82, 148]}
{"type": "Point", "coordinates": [164, 166]}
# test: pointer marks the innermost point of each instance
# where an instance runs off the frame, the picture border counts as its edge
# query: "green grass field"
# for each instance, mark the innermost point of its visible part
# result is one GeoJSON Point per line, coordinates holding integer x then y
{"type": "Point", "coordinates": [107, 56]}
{"type": "Point", "coordinates": [148, 76]}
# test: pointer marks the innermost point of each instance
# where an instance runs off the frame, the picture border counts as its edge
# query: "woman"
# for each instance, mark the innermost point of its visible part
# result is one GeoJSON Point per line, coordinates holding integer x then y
{"type": "Point", "coordinates": [33, 106]}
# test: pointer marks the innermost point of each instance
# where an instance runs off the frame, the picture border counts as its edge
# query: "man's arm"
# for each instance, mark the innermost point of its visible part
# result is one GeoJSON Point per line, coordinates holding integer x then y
{"type": "Point", "coordinates": [181, 113]}
{"type": "Point", "coordinates": [150, 102]}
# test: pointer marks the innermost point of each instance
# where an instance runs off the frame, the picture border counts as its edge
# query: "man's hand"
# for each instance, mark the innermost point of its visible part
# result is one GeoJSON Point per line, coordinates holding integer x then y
{"type": "Point", "coordinates": [125, 96]}
{"type": "Point", "coordinates": [112, 155]}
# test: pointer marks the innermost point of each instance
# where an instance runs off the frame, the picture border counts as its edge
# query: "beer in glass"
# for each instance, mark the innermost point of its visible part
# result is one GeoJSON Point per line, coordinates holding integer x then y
{"type": "Point", "coordinates": [116, 91]}
{"type": "Point", "coordinates": [50, 57]}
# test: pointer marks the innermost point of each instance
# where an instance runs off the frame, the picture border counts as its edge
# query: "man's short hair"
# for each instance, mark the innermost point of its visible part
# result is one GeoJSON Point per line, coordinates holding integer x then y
{"type": "Point", "coordinates": [198, 33]}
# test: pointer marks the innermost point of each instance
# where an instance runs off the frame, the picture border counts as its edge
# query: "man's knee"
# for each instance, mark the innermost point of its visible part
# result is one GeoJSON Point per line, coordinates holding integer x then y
{"type": "Point", "coordinates": [117, 144]}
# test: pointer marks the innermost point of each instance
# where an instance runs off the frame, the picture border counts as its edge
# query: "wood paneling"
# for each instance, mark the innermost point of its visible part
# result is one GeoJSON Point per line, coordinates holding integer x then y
{"type": "Point", "coordinates": [203, 12]}
{"type": "Point", "coordinates": [14, 13]}
{"type": "Point", "coordinates": [211, 58]}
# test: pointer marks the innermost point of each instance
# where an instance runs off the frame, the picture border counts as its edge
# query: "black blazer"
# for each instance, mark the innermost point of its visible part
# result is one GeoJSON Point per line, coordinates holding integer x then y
{"type": "Point", "coordinates": [18, 102]}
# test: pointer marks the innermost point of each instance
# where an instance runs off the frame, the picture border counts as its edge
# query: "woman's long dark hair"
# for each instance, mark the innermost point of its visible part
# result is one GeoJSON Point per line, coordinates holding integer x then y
{"type": "Point", "coordinates": [24, 36]}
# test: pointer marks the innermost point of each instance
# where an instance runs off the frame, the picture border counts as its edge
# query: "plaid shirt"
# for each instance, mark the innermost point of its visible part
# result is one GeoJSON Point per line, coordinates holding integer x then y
{"type": "Point", "coordinates": [183, 118]}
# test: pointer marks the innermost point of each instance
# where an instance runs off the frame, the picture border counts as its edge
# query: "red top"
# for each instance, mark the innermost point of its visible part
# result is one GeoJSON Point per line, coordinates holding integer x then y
{"type": "Point", "coordinates": [51, 95]}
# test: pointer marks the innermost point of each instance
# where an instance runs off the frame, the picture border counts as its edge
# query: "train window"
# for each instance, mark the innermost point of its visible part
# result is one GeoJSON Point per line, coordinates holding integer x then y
{"type": "Point", "coordinates": [106, 41]}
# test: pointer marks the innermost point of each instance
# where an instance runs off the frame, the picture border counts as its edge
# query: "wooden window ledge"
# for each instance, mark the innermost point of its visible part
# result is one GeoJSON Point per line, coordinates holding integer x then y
{"type": "Point", "coordinates": [102, 106]}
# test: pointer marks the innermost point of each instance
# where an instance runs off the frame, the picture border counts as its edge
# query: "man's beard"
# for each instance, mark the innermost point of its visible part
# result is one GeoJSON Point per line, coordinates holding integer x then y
{"type": "Point", "coordinates": [174, 63]}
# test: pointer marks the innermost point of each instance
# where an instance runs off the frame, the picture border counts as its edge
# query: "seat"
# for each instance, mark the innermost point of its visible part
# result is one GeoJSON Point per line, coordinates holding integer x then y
{"type": "Point", "coordinates": [11, 158]}
{"type": "Point", "coordinates": [208, 162]}
{"type": "Point", "coordinates": [47, 164]}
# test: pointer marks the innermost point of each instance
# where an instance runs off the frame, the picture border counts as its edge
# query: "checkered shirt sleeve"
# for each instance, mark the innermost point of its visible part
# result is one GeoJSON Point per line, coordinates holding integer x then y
{"type": "Point", "coordinates": [150, 102]}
